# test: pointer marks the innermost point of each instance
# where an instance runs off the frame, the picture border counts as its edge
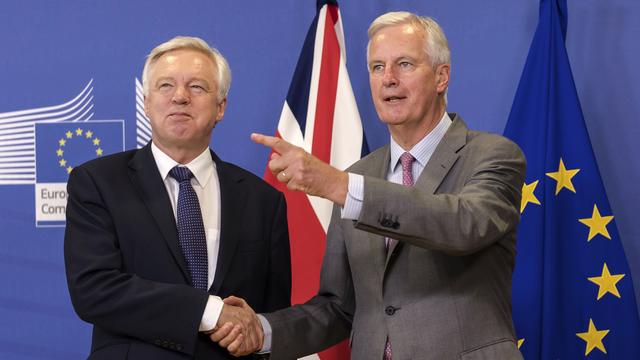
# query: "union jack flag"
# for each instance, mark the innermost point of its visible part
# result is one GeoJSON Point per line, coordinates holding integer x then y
{"type": "Point", "coordinates": [319, 115]}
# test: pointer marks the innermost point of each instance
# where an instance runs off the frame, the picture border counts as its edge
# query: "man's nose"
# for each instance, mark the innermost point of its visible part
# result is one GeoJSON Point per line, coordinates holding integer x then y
{"type": "Point", "coordinates": [389, 77]}
{"type": "Point", "coordinates": [180, 95]}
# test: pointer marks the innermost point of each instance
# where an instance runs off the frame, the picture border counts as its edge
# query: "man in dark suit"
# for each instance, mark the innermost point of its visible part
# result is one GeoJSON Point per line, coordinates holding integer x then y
{"type": "Point", "coordinates": [421, 246]}
{"type": "Point", "coordinates": [157, 237]}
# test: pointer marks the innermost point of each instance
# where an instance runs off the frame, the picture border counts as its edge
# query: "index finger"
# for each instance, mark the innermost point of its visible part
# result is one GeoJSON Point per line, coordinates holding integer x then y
{"type": "Point", "coordinates": [275, 143]}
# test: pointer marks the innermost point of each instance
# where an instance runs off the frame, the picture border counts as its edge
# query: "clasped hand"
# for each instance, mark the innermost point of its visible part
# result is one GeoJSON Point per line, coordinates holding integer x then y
{"type": "Point", "coordinates": [238, 329]}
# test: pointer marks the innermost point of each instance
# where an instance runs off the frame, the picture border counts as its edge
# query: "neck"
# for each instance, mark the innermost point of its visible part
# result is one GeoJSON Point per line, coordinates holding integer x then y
{"type": "Point", "coordinates": [181, 154]}
{"type": "Point", "coordinates": [408, 135]}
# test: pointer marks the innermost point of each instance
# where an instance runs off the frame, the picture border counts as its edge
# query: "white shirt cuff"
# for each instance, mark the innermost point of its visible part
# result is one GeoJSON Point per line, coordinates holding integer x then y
{"type": "Point", "coordinates": [211, 313]}
{"type": "Point", "coordinates": [355, 196]}
{"type": "Point", "coordinates": [266, 329]}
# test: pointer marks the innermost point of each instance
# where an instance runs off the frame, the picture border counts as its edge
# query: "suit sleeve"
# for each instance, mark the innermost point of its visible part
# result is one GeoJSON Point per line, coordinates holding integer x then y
{"type": "Point", "coordinates": [278, 290]}
{"type": "Point", "coordinates": [326, 318]}
{"type": "Point", "coordinates": [484, 207]}
{"type": "Point", "coordinates": [105, 295]}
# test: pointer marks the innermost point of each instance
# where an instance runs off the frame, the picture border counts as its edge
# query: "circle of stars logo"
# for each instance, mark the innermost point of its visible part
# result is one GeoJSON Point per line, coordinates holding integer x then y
{"type": "Point", "coordinates": [77, 135]}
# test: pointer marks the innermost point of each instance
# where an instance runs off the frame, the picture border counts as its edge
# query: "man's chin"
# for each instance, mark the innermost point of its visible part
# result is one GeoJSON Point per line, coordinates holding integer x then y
{"type": "Point", "coordinates": [393, 120]}
{"type": "Point", "coordinates": [184, 140]}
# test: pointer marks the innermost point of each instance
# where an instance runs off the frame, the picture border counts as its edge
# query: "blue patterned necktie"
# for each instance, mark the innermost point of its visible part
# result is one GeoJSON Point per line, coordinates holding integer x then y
{"type": "Point", "coordinates": [191, 228]}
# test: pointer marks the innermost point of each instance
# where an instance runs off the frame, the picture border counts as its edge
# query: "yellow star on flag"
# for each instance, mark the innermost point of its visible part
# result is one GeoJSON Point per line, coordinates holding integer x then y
{"type": "Point", "coordinates": [78, 131]}
{"type": "Point", "coordinates": [59, 152]}
{"type": "Point", "coordinates": [69, 168]}
{"type": "Point", "coordinates": [96, 141]}
{"type": "Point", "coordinates": [593, 337]}
{"type": "Point", "coordinates": [597, 224]}
{"type": "Point", "coordinates": [563, 177]}
{"type": "Point", "coordinates": [88, 134]}
{"type": "Point", "coordinates": [62, 142]}
{"type": "Point", "coordinates": [520, 342]}
{"type": "Point", "coordinates": [528, 196]}
{"type": "Point", "coordinates": [69, 134]}
{"type": "Point", "coordinates": [99, 152]}
{"type": "Point", "coordinates": [607, 282]}
{"type": "Point", "coordinates": [62, 162]}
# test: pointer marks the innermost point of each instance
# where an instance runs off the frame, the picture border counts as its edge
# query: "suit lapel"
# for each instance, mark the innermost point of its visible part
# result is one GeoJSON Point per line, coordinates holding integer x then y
{"type": "Point", "coordinates": [440, 163]}
{"type": "Point", "coordinates": [233, 199]}
{"type": "Point", "coordinates": [444, 156]}
{"type": "Point", "coordinates": [144, 175]}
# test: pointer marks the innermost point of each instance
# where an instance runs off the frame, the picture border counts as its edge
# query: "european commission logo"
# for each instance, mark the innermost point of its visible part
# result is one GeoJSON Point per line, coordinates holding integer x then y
{"type": "Point", "coordinates": [42, 146]}
{"type": "Point", "coordinates": [59, 148]}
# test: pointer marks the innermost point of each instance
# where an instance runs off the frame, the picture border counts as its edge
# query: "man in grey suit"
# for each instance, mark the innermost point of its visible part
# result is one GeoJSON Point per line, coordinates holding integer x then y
{"type": "Point", "coordinates": [413, 269]}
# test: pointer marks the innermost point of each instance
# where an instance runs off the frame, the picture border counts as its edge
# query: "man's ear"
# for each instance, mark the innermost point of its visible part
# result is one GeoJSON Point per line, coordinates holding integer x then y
{"type": "Point", "coordinates": [222, 106]}
{"type": "Point", "coordinates": [442, 77]}
{"type": "Point", "coordinates": [146, 106]}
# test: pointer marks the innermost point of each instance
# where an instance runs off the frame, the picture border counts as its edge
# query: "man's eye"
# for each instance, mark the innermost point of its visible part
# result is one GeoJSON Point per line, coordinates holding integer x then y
{"type": "Point", "coordinates": [165, 86]}
{"type": "Point", "coordinates": [197, 88]}
{"type": "Point", "coordinates": [376, 68]}
{"type": "Point", "coordinates": [405, 65]}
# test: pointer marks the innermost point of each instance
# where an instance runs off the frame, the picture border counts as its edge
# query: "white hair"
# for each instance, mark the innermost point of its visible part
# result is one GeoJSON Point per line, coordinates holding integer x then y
{"type": "Point", "coordinates": [192, 43]}
{"type": "Point", "coordinates": [436, 44]}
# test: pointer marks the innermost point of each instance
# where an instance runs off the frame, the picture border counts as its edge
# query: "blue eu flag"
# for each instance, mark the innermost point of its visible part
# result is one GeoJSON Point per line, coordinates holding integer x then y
{"type": "Point", "coordinates": [62, 146]}
{"type": "Point", "coordinates": [573, 296]}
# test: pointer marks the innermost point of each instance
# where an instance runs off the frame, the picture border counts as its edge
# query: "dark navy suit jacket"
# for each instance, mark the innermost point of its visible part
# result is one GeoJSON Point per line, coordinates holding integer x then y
{"type": "Point", "coordinates": [127, 275]}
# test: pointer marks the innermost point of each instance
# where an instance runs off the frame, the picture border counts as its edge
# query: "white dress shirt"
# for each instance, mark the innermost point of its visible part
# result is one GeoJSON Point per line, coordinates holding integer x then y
{"type": "Point", "coordinates": [206, 184]}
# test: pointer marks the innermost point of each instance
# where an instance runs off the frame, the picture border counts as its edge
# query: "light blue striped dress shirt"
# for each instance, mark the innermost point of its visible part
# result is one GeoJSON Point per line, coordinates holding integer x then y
{"type": "Point", "coordinates": [422, 152]}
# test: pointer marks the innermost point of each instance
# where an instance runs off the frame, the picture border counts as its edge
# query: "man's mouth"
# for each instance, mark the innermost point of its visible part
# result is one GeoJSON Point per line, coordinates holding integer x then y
{"type": "Point", "coordinates": [179, 114]}
{"type": "Point", "coordinates": [394, 99]}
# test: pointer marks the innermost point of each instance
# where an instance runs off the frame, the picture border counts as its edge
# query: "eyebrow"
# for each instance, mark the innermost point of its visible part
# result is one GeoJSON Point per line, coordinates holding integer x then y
{"type": "Point", "coordinates": [406, 57]}
{"type": "Point", "coordinates": [395, 60]}
{"type": "Point", "coordinates": [169, 78]}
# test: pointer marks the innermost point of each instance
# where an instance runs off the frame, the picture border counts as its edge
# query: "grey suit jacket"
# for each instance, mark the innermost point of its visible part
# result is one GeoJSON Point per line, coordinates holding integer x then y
{"type": "Point", "coordinates": [443, 291]}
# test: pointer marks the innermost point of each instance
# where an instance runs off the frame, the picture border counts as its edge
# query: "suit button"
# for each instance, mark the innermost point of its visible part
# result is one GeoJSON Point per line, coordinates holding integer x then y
{"type": "Point", "coordinates": [178, 347]}
{"type": "Point", "coordinates": [386, 223]}
{"type": "Point", "coordinates": [157, 342]}
{"type": "Point", "coordinates": [390, 310]}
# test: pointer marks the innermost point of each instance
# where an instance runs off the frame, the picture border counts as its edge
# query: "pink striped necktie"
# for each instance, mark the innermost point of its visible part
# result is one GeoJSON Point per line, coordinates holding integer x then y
{"type": "Point", "coordinates": [406, 160]}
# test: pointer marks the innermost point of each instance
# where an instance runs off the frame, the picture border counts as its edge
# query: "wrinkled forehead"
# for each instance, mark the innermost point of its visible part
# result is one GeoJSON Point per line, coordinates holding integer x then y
{"type": "Point", "coordinates": [184, 60]}
{"type": "Point", "coordinates": [397, 38]}
{"type": "Point", "coordinates": [406, 28]}
{"type": "Point", "coordinates": [395, 33]}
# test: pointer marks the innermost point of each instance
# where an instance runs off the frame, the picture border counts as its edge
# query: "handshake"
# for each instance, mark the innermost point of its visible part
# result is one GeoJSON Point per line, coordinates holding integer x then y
{"type": "Point", "coordinates": [238, 330]}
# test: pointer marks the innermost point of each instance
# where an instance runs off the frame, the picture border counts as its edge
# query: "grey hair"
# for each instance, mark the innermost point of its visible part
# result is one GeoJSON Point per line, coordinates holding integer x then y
{"type": "Point", "coordinates": [436, 44]}
{"type": "Point", "coordinates": [192, 43]}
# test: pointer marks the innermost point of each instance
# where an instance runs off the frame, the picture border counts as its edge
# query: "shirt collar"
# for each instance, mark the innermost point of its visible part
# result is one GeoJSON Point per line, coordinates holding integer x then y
{"type": "Point", "coordinates": [423, 150]}
{"type": "Point", "coordinates": [202, 166]}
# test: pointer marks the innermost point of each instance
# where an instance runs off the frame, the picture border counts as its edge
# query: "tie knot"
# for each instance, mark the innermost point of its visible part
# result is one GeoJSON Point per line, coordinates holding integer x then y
{"type": "Point", "coordinates": [181, 173]}
{"type": "Point", "coordinates": [406, 159]}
